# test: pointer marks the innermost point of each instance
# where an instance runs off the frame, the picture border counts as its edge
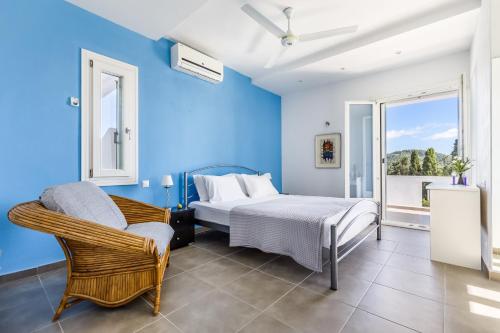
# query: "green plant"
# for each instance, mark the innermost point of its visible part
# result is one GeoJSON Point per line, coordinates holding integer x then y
{"type": "Point", "coordinates": [430, 164]}
{"type": "Point", "coordinates": [415, 166]}
{"type": "Point", "coordinates": [461, 166]}
{"type": "Point", "coordinates": [425, 202]}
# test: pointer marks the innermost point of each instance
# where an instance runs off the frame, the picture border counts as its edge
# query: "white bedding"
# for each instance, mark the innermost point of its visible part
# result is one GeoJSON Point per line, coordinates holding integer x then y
{"type": "Point", "coordinates": [218, 212]}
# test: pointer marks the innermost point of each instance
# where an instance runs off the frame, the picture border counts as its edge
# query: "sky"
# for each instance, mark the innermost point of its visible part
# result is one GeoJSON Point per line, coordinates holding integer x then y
{"type": "Point", "coordinates": [422, 125]}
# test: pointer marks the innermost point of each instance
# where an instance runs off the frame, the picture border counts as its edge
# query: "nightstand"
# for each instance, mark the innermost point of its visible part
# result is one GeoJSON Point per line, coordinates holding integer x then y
{"type": "Point", "coordinates": [182, 221]}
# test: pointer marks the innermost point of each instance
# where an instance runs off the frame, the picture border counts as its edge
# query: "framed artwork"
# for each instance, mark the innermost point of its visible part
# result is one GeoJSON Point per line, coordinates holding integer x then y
{"type": "Point", "coordinates": [327, 150]}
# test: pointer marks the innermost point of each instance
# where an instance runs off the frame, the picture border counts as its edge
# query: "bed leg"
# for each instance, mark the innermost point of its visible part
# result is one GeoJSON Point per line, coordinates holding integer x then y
{"type": "Point", "coordinates": [379, 222]}
{"type": "Point", "coordinates": [333, 259]}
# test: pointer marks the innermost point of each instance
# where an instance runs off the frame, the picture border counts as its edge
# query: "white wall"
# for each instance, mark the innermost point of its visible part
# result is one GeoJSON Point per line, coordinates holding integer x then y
{"type": "Point", "coordinates": [304, 115]}
{"type": "Point", "coordinates": [407, 190]}
{"type": "Point", "coordinates": [495, 123]}
{"type": "Point", "coordinates": [480, 86]}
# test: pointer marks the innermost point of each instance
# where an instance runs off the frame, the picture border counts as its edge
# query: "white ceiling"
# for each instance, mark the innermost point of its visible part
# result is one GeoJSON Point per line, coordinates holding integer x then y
{"type": "Point", "coordinates": [419, 29]}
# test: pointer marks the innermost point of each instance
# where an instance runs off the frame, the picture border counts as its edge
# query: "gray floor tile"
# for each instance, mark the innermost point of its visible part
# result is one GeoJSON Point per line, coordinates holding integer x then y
{"type": "Point", "coordinates": [371, 254]}
{"type": "Point", "coordinates": [466, 286]}
{"type": "Point", "coordinates": [408, 310]}
{"type": "Point", "coordinates": [192, 257]}
{"type": "Point", "coordinates": [258, 289]}
{"type": "Point", "coordinates": [252, 257]}
{"type": "Point", "coordinates": [267, 324]}
{"type": "Point", "coordinates": [350, 288]}
{"type": "Point", "coordinates": [415, 250]}
{"type": "Point", "coordinates": [479, 318]}
{"type": "Point", "coordinates": [52, 328]}
{"type": "Point", "coordinates": [216, 312]}
{"type": "Point", "coordinates": [181, 290]}
{"type": "Point", "coordinates": [161, 325]}
{"type": "Point", "coordinates": [172, 270]}
{"type": "Point", "coordinates": [416, 265]}
{"type": "Point", "coordinates": [362, 269]}
{"type": "Point", "coordinates": [406, 235]}
{"type": "Point", "coordinates": [180, 250]}
{"type": "Point", "coordinates": [286, 268]}
{"type": "Point", "coordinates": [383, 244]}
{"type": "Point", "coordinates": [220, 272]}
{"type": "Point", "coordinates": [54, 283]}
{"type": "Point", "coordinates": [311, 312]}
{"type": "Point", "coordinates": [127, 318]}
{"type": "Point", "coordinates": [215, 241]}
{"type": "Point", "coordinates": [18, 292]}
{"type": "Point", "coordinates": [27, 316]}
{"type": "Point", "coordinates": [363, 322]}
{"type": "Point", "coordinates": [414, 283]}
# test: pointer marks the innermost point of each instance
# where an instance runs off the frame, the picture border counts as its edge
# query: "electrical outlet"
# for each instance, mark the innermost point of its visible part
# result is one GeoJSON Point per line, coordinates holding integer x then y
{"type": "Point", "coordinates": [145, 183]}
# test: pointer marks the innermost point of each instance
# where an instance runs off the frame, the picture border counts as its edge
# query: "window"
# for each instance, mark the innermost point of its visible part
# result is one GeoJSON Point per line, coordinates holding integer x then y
{"type": "Point", "coordinates": [109, 120]}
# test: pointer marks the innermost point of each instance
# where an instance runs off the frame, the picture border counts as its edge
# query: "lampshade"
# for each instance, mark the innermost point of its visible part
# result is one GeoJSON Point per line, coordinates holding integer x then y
{"type": "Point", "coordinates": [167, 181]}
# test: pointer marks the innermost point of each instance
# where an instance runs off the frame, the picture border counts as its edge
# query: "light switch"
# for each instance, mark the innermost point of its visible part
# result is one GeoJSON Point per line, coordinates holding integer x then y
{"type": "Point", "coordinates": [74, 101]}
{"type": "Point", "coordinates": [145, 183]}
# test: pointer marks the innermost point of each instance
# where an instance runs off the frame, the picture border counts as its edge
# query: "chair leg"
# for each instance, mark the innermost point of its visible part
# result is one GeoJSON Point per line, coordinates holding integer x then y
{"type": "Point", "coordinates": [62, 306]}
{"type": "Point", "coordinates": [156, 308]}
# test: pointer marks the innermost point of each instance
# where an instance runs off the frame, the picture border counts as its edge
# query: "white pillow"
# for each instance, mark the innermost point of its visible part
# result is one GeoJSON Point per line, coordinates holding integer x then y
{"type": "Point", "coordinates": [199, 183]}
{"type": "Point", "coordinates": [240, 181]}
{"type": "Point", "coordinates": [259, 186]}
{"type": "Point", "coordinates": [223, 188]}
{"type": "Point", "coordinates": [239, 177]}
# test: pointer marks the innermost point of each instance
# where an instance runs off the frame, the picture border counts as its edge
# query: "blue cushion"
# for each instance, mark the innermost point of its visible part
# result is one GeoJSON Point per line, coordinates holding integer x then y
{"type": "Point", "coordinates": [162, 233]}
{"type": "Point", "coordinates": [86, 201]}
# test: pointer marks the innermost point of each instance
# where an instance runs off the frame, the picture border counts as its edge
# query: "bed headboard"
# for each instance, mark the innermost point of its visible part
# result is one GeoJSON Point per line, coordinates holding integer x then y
{"type": "Point", "coordinates": [189, 189]}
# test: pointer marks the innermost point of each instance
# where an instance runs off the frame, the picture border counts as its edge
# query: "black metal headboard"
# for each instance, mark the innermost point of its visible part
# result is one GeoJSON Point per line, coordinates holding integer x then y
{"type": "Point", "coordinates": [188, 176]}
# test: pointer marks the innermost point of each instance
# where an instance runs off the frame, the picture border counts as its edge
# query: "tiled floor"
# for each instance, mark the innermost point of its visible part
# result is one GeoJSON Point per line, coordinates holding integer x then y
{"type": "Point", "coordinates": [385, 286]}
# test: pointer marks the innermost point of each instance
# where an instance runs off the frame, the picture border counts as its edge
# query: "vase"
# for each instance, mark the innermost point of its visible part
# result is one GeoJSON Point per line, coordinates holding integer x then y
{"type": "Point", "coordinates": [460, 179]}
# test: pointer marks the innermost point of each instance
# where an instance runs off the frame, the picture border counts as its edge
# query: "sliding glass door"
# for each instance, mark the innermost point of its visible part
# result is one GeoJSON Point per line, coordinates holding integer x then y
{"type": "Point", "coordinates": [362, 153]}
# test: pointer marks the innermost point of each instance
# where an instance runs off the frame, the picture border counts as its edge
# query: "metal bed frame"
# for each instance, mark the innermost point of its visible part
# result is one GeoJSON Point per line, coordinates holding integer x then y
{"type": "Point", "coordinates": [337, 253]}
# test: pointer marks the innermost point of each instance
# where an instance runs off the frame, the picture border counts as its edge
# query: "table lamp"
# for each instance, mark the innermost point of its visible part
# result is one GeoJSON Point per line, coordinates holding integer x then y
{"type": "Point", "coordinates": [167, 182]}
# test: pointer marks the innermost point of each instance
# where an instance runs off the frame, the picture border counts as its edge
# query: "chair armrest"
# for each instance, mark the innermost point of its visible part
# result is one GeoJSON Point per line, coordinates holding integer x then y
{"type": "Point", "coordinates": [137, 212]}
{"type": "Point", "coordinates": [35, 216]}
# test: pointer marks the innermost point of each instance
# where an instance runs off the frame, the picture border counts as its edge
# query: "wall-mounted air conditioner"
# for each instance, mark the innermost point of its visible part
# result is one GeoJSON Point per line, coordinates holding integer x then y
{"type": "Point", "coordinates": [192, 62]}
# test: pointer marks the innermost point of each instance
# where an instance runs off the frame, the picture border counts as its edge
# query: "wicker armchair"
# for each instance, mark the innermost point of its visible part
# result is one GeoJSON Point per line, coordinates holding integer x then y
{"type": "Point", "coordinates": [104, 265]}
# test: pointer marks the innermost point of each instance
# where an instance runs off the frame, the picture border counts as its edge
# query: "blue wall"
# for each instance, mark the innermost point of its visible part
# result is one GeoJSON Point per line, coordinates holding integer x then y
{"type": "Point", "coordinates": [184, 122]}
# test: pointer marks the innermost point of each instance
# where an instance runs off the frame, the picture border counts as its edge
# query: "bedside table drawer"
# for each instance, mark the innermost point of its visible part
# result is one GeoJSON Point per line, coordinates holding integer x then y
{"type": "Point", "coordinates": [180, 221]}
{"type": "Point", "coordinates": [182, 237]}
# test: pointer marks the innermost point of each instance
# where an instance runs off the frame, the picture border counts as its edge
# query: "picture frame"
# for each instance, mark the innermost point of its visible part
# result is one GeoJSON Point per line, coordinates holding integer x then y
{"type": "Point", "coordinates": [328, 151]}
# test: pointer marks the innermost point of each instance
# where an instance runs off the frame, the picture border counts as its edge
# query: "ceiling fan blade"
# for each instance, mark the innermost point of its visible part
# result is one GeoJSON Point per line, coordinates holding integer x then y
{"type": "Point", "coordinates": [263, 21]}
{"type": "Point", "coordinates": [328, 33]}
{"type": "Point", "coordinates": [274, 59]}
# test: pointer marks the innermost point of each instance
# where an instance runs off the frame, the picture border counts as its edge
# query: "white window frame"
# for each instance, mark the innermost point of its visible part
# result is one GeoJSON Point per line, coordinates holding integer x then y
{"type": "Point", "coordinates": [90, 148]}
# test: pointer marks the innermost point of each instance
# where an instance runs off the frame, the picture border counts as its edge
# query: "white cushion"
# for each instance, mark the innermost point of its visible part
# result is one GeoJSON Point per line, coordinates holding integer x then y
{"type": "Point", "coordinates": [259, 186]}
{"type": "Point", "coordinates": [86, 201]}
{"type": "Point", "coordinates": [223, 188]}
{"type": "Point", "coordinates": [161, 232]}
{"type": "Point", "coordinates": [199, 183]}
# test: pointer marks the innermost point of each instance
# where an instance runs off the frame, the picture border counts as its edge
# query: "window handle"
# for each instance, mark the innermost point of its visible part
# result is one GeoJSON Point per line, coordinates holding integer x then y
{"type": "Point", "coordinates": [128, 131]}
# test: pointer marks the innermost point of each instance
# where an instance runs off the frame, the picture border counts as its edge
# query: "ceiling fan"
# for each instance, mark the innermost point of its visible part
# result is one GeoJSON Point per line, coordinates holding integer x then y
{"type": "Point", "coordinates": [288, 38]}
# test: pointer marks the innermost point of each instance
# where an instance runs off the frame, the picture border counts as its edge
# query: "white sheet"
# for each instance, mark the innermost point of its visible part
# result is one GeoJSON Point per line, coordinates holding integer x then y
{"type": "Point", "coordinates": [218, 212]}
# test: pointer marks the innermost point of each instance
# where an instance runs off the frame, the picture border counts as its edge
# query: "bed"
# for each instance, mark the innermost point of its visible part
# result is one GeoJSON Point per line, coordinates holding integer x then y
{"type": "Point", "coordinates": [341, 233]}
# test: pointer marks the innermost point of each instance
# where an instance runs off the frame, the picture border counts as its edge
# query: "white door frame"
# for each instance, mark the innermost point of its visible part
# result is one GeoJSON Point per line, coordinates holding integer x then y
{"type": "Point", "coordinates": [464, 127]}
{"type": "Point", "coordinates": [376, 148]}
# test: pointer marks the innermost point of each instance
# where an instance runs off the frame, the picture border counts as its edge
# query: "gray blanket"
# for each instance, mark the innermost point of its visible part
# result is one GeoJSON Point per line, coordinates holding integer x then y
{"type": "Point", "coordinates": [288, 225]}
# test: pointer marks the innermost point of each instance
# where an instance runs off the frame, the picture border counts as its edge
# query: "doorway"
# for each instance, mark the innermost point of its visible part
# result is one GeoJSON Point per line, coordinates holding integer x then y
{"type": "Point", "coordinates": [420, 138]}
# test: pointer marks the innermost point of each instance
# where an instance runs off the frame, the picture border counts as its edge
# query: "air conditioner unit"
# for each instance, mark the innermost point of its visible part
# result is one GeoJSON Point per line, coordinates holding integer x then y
{"type": "Point", "coordinates": [192, 62]}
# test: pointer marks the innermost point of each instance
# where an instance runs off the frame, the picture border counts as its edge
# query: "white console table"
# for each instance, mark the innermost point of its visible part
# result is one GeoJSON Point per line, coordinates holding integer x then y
{"type": "Point", "coordinates": [455, 224]}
